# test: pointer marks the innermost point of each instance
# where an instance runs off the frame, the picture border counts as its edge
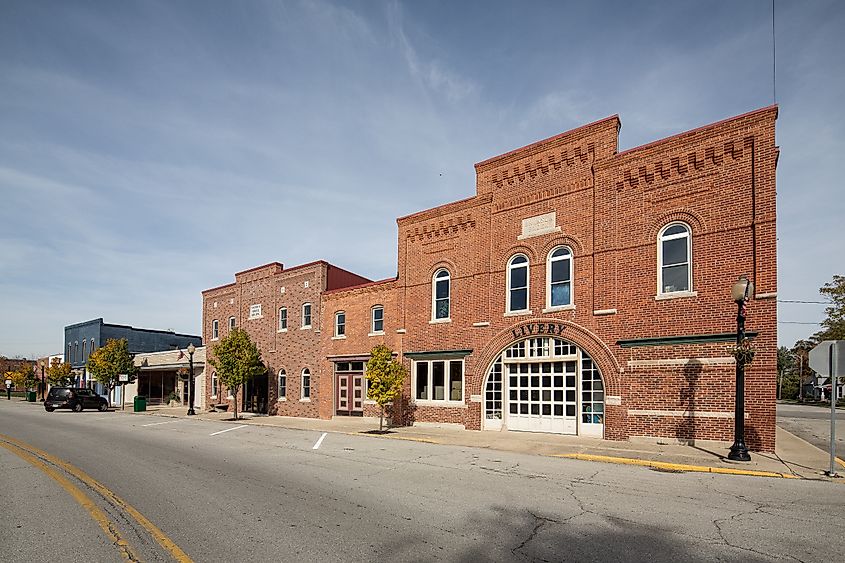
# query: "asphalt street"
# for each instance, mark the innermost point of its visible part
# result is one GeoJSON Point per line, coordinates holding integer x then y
{"type": "Point", "coordinates": [225, 492]}
{"type": "Point", "coordinates": [812, 423]}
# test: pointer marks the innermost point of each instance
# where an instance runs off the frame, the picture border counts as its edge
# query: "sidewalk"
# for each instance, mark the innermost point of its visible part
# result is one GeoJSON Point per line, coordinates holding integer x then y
{"type": "Point", "coordinates": [793, 458]}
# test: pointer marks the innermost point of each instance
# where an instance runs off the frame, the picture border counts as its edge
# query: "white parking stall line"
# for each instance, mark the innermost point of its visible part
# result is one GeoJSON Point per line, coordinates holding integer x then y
{"type": "Point", "coordinates": [228, 429]}
{"type": "Point", "coordinates": [320, 441]}
{"type": "Point", "coordinates": [157, 423]}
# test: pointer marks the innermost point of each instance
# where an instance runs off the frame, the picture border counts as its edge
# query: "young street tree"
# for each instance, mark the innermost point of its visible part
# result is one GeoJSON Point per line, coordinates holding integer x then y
{"type": "Point", "coordinates": [107, 363]}
{"type": "Point", "coordinates": [237, 360]}
{"type": "Point", "coordinates": [58, 373]}
{"type": "Point", "coordinates": [385, 377]}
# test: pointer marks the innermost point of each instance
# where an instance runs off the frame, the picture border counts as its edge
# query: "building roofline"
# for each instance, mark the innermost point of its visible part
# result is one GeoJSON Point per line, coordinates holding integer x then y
{"type": "Point", "coordinates": [361, 285]}
{"type": "Point", "coordinates": [549, 140]}
{"type": "Point", "coordinates": [225, 285]}
{"type": "Point", "coordinates": [701, 128]}
{"type": "Point", "coordinates": [83, 323]}
{"type": "Point", "coordinates": [248, 270]}
{"type": "Point", "coordinates": [430, 209]}
{"type": "Point", "coordinates": [284, 271]}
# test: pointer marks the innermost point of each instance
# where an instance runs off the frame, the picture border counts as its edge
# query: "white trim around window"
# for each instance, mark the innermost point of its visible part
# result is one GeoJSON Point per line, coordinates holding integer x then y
{"type": "Point", "coordinates": [305, 385]}
{"type": "Point", "coordinates": [560, 286]}
{"type": "Point", "coordinates": [306, 316]}
{"type": "Point", "coordinates": [283, 319]}
{"type": "Point", "coordinates": [517, 298]}
{"type": "Point", "coordinates": [441, 296]}
{"type": "Point", "coordinates": [282, 382]}
{"type": "Point", "coordinates": [232, 323]}
{"type": "Point", "coordinates": [214, 385]}
{"type": "Point", "coordinates": [340, 324]}
{"type": "Point", "coordinates": [674, 260]}
{"type": "Point", "coordinates": [438, 382]}
{"type": "Point", "coordinates": [215, 329]}
{"type": "Point", "coordinates": [376, 320]}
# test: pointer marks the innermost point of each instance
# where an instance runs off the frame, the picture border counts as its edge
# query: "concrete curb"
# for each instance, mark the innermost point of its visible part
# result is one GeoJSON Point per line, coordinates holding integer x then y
{"type": "Point", "coordinates": [679, 467]}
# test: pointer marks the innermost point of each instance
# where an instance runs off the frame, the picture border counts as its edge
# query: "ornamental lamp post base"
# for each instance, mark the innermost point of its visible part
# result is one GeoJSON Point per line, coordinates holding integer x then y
{"type": "Point", "coordinates": [739, 452]}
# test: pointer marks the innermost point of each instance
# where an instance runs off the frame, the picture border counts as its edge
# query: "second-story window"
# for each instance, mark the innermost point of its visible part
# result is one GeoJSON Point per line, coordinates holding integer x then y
{"type": "Point", "coordinates": [673, 254]}
{"type": "Point", "coordinates": [378, 319]}
{"type": "Point", "coordinates": [215, 329]}
{"type": "Point", "coordinates": [517, 284]}
{"type": "Point", "coordinates": [306, 315]}
{"type": "Point", "coordinates": [255, 311]}
{"type": "Point", "coordinates": [283, 318]}
{"type": "Point", "coordinates": [84, 348]}
{"type": "Point", "coordinates": [440, 295]}
{"type": "Point", "coordinates": [559, 278]}
{"type": "Point", "coordinates": [231, 323]}
{"type": "Point", "coordinates": [340, 323]}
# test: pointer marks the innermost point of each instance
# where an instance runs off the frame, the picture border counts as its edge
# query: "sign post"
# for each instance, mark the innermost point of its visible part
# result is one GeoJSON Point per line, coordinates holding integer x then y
{"type": "Point", "coordinates": [827, 359]}
{"type": "Point", "coordinates": [123, 378]}
{"type": "Point", "coordinates": [8, 389]}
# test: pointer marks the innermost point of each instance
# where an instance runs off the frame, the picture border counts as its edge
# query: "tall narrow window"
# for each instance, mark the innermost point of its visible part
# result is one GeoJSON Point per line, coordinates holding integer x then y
{"type": "Point", "coordinates": [215, 330]}
{"type": "Point", "coordinates": [340, 323]}
{"type": "Point", "coordinates": [306, 315]}
{"type": "Point", "coordinates": [69, 358]}
{"type": "Point", "coordinates": [231, 323]}
{"type": "Point", "coordinates": [283, 318]}
{"type": "Point", "coordinates": [305, 388]}
{"type": "Point", "coordinates": [440, 295]}
{"type": "Point", "coordinates": [214, 388]}
{"type": "Point", "coordinates": [92, 346]}
{"type": "Point", "coordinates": [674, 257]}
{"type": "Point", "coordinates": [378, 320]}
{"type": "Point", "coordinates": [84, 349]}
{"type": "Point", "coordinates": [518, 284]}
{"type": "Point", "coordinates": [76, 351]}
{"type": "Point", "coordinates": [283, 384]}
{"type": "Point", "coordinates": [559, 276]}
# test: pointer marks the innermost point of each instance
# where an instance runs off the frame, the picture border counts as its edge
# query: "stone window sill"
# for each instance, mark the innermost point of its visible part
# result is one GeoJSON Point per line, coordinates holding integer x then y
{"type": "Point", "coordinates": [559, 308]}
{"type": "Point", "coordinates": [519, 313]}
{"type": "Point", "coordinates": [675, 295]}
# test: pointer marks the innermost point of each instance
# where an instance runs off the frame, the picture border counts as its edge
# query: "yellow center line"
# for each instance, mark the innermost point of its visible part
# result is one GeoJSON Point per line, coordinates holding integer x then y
{"type": "Point", "coordinates": [162, 539]}
{"type": "Point", "coordinates": [96, 513]}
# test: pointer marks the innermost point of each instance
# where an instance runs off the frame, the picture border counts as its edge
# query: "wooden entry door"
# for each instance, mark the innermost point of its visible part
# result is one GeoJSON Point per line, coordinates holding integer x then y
{"type": "Point", "coordinates": [350, 394]}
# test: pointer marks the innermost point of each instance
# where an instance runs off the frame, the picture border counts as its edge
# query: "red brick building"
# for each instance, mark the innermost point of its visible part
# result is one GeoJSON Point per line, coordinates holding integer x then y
{"type": "Point", "coordinates": [580, 290]}
{"type": "Point", "coordinates": [280, 309]}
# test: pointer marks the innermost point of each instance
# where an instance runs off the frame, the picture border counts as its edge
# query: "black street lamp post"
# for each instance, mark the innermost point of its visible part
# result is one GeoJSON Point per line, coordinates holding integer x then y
{"type": "Point", "coordinates": [740, 292]}
{"type": "Point", "coordinates": [43, 383]}
{"type": "Point", "coordinates": [191, 350]}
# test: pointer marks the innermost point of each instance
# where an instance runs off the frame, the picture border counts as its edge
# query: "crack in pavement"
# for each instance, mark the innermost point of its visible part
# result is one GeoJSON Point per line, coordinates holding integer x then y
{"type": "Point", "coordinates": [539, 522]}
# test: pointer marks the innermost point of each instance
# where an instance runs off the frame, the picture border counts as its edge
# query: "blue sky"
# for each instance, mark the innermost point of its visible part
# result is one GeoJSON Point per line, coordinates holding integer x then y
{"type": "Point", "coordinates": [149, 150]}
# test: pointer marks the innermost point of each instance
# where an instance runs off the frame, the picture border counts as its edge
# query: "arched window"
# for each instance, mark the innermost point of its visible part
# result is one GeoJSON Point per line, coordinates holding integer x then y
{"type": "Point", "coordinates": [231, 324]}
{"type": "Point", "coordinates": [517, 284]}
{"type": "Point", "coordinates": [76, 351]}
{"type": "Point", "coordinates": [674, 257]}
{"type": "Point", "coordinates": [340, 324]}
{"type": "Point", "coordinates": [84, 349]}
{"type": "Point", "coordinates": [214, 384]}
{"type": "Point", "coordinates": [377, 315]}
{"type": "Point", "coordinates": [305, 387]}
{"type": "Point", "coordinates": [283, 384]}
{"type": "Point", "coordinates": [559, 278]}
{"type": "Point", "coordinates": [92, 346]}
{"type": "Point", "coordinates": [440, 295]}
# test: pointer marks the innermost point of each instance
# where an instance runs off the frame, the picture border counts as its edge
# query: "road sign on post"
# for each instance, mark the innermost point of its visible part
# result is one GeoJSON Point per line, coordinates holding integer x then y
{"type": "Point", "coordinates": [828, 358]}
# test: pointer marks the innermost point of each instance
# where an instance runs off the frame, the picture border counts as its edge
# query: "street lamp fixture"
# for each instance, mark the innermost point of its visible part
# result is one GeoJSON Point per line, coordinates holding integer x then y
{"type": "Point", "coordinates": [740, 292]}
{"type": "Point", "coordinates": [191, 350]}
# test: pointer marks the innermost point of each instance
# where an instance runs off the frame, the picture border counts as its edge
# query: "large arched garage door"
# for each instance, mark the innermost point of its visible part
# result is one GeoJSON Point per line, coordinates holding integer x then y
{"type": "Point", "coordinates": [544, 385]}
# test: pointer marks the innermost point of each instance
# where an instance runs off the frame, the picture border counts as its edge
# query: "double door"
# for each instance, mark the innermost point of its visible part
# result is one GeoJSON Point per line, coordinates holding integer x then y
{"type": "Point", "coordinates": [350, 394]}
{"type": "Point", "coordinates": [542, 396]}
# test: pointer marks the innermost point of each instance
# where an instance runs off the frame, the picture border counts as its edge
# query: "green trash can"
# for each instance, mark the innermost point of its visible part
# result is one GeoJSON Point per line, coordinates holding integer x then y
{"type": "Point", "coordinates": [140, 404]}
{"type": "Point", "coordinates": [30, 396]}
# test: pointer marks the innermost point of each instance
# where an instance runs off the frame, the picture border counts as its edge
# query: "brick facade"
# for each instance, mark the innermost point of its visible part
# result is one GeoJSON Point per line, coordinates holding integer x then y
{"type": "Point", "coordinates": [666, 370]}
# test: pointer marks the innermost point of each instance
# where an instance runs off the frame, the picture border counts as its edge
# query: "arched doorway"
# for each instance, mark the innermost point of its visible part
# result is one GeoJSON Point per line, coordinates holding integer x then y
{"type": "Point", "coordinates": [544, 384]}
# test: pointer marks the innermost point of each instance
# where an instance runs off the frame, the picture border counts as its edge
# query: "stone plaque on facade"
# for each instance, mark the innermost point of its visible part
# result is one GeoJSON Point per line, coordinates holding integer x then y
{"type": "Point", "coordinates": [539, 225]}
{"type": "Point", "coordinates": [613, 400]}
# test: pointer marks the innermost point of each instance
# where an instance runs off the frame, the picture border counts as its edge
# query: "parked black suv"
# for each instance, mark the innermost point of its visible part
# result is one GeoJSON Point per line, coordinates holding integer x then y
{"type": "Point", "coordinates": [76, 398]}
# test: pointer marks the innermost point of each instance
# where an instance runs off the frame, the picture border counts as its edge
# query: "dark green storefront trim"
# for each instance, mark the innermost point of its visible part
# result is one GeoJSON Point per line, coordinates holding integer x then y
{"type": "Point", "coordinates": [438, 354]}
{"type": "Point", "coordinates": [679, 340]}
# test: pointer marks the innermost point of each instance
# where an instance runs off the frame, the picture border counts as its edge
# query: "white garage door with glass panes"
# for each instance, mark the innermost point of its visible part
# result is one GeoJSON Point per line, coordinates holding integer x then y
{"type": "Point", "coordinates": [545, 385]}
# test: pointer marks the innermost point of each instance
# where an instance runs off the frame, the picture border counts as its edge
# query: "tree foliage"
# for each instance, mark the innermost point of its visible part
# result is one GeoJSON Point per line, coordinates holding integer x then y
{"type": "Point", "coordinates": [106, 363]}
{"type": "Point", "coordinates": [237, 360]}
{"type": "Point", "coordinates": [385, 377]}
{"type": "Point", "coordinates": [834, 324]}
{"type": "Point", "coordinates": [59, 373]}
{"type": "Point", "coordinates": [23, 377]}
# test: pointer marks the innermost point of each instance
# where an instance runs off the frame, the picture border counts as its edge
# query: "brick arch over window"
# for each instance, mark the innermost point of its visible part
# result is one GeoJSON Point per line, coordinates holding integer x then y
{"type": "Point", "coordinates": [575, 333]}
{"type": "Point", "coordinates": [566, 240]}
{"type": "Point", "coordinates": [443, 264]}
{"type": "Point", "coordinates": [506, 255]}
{"type": "Point", "coordinates": [691, 218]}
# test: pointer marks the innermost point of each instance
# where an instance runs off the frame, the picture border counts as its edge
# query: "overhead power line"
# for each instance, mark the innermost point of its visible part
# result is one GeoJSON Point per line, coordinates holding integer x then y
{"type": "Point", "coordinates": [796, 323]}
{"type": "Point", "coordinates": [799, 301]}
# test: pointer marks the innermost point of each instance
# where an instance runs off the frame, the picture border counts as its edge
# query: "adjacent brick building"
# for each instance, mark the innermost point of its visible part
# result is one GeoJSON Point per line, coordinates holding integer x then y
{"type": "Point", "coordinates": [581, 290]}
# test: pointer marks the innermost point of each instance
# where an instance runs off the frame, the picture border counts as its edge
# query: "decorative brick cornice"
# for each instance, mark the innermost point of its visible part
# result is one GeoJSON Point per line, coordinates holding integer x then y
{"type": "Point", "coordinates": [441, 228]}
{"type": "Point", "coordinates": [539, 195]}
